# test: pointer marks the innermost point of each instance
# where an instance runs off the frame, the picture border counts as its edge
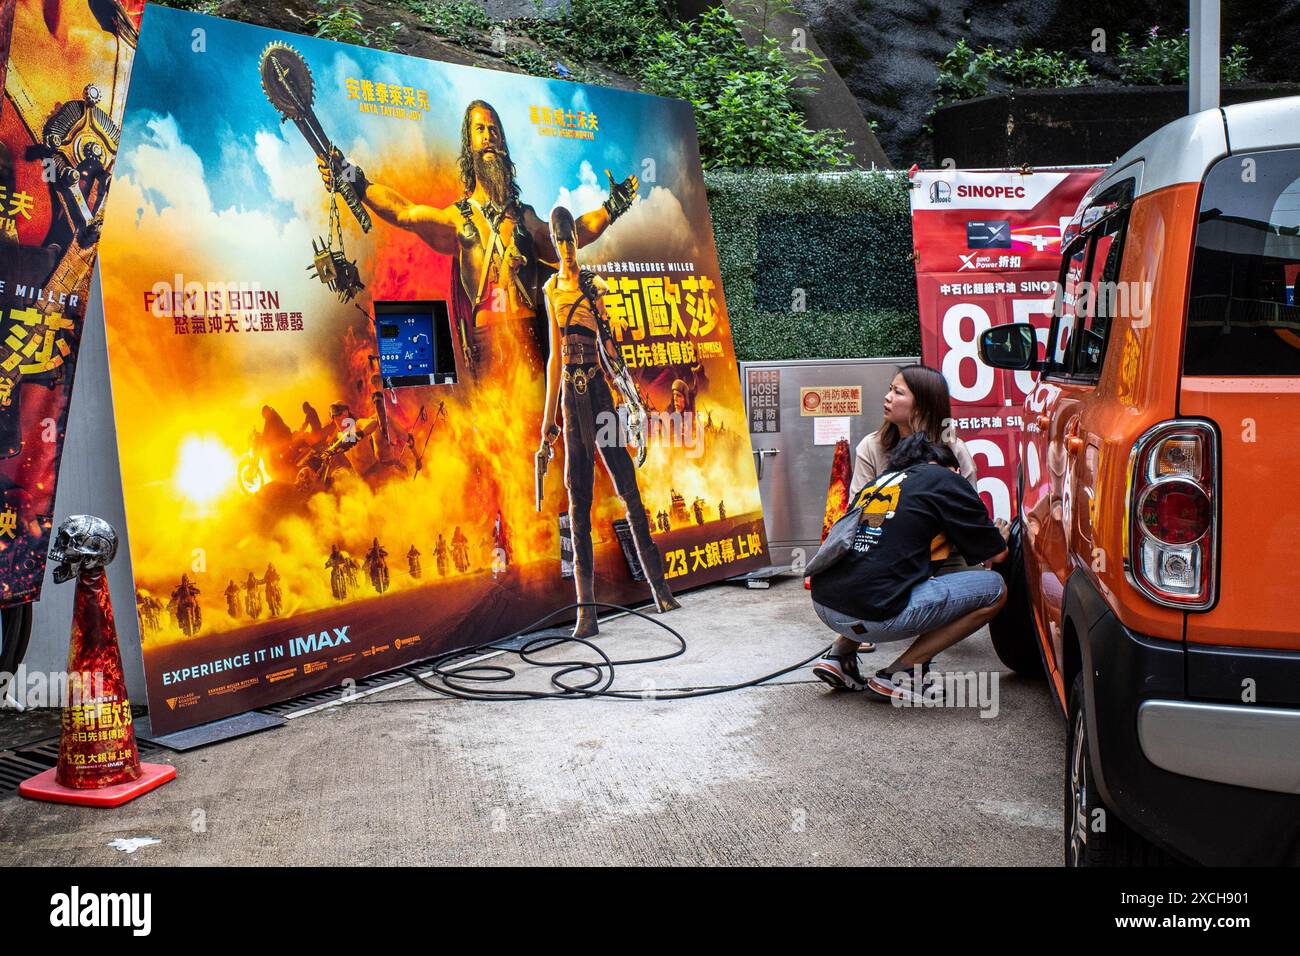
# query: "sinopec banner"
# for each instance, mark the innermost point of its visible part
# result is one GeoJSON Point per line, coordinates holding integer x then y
{"type": "Point", "coordinates": [988, 248]}
{"type": "Point", "coordinates": [336, 294]}
{"type": "Point", "coordinates": [64, 91]}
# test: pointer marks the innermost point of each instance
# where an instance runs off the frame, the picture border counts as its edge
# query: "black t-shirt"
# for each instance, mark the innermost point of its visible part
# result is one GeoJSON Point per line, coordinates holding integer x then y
{"type": "Point", "coordinates": [904, 513]}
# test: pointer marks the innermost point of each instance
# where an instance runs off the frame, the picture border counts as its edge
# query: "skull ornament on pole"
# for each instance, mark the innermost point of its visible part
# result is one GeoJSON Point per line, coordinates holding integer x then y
{"type": "Point", "coordinates": [99, 762]}
{"type": "Point", "coordinates": [83, 543]}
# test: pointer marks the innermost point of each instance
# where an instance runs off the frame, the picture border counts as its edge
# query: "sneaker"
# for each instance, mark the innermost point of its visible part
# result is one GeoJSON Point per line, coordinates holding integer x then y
{"type": "Point", "coordinates": [901, 684]}
{"type": "Point", "coordinates": [932, 682]}
{"type": "Point", "coordinates": [840, 672]}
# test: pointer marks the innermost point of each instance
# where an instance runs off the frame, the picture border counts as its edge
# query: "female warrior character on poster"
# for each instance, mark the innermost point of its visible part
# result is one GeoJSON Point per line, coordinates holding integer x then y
{"type": "Point", "coordinates": [582, 354]}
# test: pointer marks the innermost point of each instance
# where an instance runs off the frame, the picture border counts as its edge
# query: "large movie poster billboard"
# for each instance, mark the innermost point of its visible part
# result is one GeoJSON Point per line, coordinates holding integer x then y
{"type": "Point", "coordinates": [6, 34]}
{"type": "Point", "coordinates": [988, 251]}
{"type": "Point", "coordinates": [404, 356]}
{"type": "Point", "coordinates": [64, 91]}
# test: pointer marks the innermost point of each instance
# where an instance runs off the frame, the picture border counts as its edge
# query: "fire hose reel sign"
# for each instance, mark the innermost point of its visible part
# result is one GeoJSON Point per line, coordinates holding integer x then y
{"type": "Point", "coordinates": [831, 400]}
{"type": "Point", "coordinates": [764, 400]}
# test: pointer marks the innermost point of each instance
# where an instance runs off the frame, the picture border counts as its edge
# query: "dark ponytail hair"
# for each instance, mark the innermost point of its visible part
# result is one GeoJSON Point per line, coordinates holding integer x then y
{"type": "Point", "coordinates": [931, 405]}
{"type": "Point", "coordinates": [917, 449]}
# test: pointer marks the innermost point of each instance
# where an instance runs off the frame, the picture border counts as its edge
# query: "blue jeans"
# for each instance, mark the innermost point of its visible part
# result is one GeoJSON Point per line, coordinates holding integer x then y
{"type": "Point", "coordinates": [932, 604]}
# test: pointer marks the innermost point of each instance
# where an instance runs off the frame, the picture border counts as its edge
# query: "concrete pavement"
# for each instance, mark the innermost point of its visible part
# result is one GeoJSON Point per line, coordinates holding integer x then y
{"type": "Point", "coordinates": [786, 773]}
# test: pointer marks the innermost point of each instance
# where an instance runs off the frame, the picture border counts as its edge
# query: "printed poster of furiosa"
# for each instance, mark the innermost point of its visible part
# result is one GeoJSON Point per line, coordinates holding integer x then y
{"type": "Point", "coordinates": [405, 356]}
{"type": "Point", "coordinates": [64, 85]}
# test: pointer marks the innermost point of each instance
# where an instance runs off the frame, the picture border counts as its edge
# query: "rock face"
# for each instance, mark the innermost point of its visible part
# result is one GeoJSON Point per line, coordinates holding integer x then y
{"type": "Point", "coordinates": [886, 50]}
{"type": "Point", "coordinates": [828, 103]}
{"type": "Point", "coordinates": [412, 36]}
{"type": "Point", "coordinates": [505, 9]}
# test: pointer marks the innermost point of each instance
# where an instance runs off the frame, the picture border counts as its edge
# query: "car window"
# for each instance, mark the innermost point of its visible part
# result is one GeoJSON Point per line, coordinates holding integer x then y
{"type": "Point", "coordinates": [1062, 336]}
{"type": "Point", "coordinates": [1090, 296]}
{"type": "Point", "coordinates": [1105, 298]}
{"type": "Point", "coordinates": [1243, 314]}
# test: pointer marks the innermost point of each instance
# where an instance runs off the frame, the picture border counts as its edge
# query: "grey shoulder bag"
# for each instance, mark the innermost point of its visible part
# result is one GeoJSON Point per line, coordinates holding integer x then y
{"type": "Point", "coordinates": [839, 540]}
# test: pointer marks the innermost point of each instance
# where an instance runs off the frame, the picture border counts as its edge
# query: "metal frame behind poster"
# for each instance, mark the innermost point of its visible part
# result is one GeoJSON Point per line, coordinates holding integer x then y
{"type": "Point", "coordinates": [90, 482]}
{"type": "Point", "coordinates": [305, 505]}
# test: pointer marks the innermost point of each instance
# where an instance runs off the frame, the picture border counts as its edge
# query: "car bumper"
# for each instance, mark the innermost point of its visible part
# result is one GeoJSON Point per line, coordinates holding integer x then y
{"type": "Point", "coordinates": [1212, 783]}
{"type": "Point", "coordinates": [1255, 747]}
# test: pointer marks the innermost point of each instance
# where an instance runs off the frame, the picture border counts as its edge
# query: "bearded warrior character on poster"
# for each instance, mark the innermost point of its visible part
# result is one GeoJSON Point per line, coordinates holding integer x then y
{"type": "Point", "coordinates": [413, 246]}
{"type": "Point", "coordinates": [500, 250]}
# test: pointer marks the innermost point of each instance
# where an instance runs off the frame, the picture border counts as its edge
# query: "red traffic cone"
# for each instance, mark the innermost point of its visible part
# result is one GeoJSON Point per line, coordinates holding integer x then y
{"type": "Point", "coordinates": [99, 763]}
{"type": "Point", "coordinates": [837, 495]}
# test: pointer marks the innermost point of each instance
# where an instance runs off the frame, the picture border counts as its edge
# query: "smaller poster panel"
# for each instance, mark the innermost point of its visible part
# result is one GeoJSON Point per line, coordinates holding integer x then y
{"type": "Point", "coordinates": [64, 84]}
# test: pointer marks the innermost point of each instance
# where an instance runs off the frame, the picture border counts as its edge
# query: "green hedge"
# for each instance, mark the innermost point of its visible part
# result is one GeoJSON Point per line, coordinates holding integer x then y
{"type": "Point", "coordinates": [844, 239]}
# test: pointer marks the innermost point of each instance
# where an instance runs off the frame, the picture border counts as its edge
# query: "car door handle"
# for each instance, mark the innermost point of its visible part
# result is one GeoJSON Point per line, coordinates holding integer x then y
{"type": "Point", "coordinates": [763, 453]}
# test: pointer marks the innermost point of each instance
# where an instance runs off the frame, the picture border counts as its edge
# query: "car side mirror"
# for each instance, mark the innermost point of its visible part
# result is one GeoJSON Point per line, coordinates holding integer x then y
{"type": "Point", "coordinates": [1013, 347]}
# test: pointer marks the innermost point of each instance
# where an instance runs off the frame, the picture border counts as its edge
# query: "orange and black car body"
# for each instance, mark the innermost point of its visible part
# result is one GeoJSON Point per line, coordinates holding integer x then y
{"type": "Point", "coordinates": [1159, 529]}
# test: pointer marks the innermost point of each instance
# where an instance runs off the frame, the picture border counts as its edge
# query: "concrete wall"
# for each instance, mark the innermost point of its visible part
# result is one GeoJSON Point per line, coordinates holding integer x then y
{"type": "Point", "coordinates": [1067, 127]}
{"type": "Point", "coordinates": [90, 482]}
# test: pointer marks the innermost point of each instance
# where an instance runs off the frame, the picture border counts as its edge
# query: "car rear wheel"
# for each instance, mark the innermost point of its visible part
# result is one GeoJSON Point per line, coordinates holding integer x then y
{"type": "Point", "coordinates": [1094, 836]}
{"type": "Point", "coordinates": [1012, 631]}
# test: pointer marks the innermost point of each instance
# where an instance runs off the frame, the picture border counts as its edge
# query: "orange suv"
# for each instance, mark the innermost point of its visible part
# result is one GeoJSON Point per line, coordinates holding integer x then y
{"type": "Point", "coordinates": [1158, 540]}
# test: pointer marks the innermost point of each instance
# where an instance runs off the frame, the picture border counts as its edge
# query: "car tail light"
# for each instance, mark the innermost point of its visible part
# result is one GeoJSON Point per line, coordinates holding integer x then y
{"type": "Point", "coordinates": [1175, 512]}
{"type": "Point", "coordinates": [1172, 509]}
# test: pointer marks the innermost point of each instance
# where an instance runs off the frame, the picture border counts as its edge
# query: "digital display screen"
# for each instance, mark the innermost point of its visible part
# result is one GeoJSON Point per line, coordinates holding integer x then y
{"type": "Point", "coordinates": [414, 340]}
{"type": "Point", "coordinates": [406, 345]}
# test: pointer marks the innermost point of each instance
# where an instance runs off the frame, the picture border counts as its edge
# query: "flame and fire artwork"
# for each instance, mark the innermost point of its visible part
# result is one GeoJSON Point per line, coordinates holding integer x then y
{"type": "Point", "coordinates": [295, 226]}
